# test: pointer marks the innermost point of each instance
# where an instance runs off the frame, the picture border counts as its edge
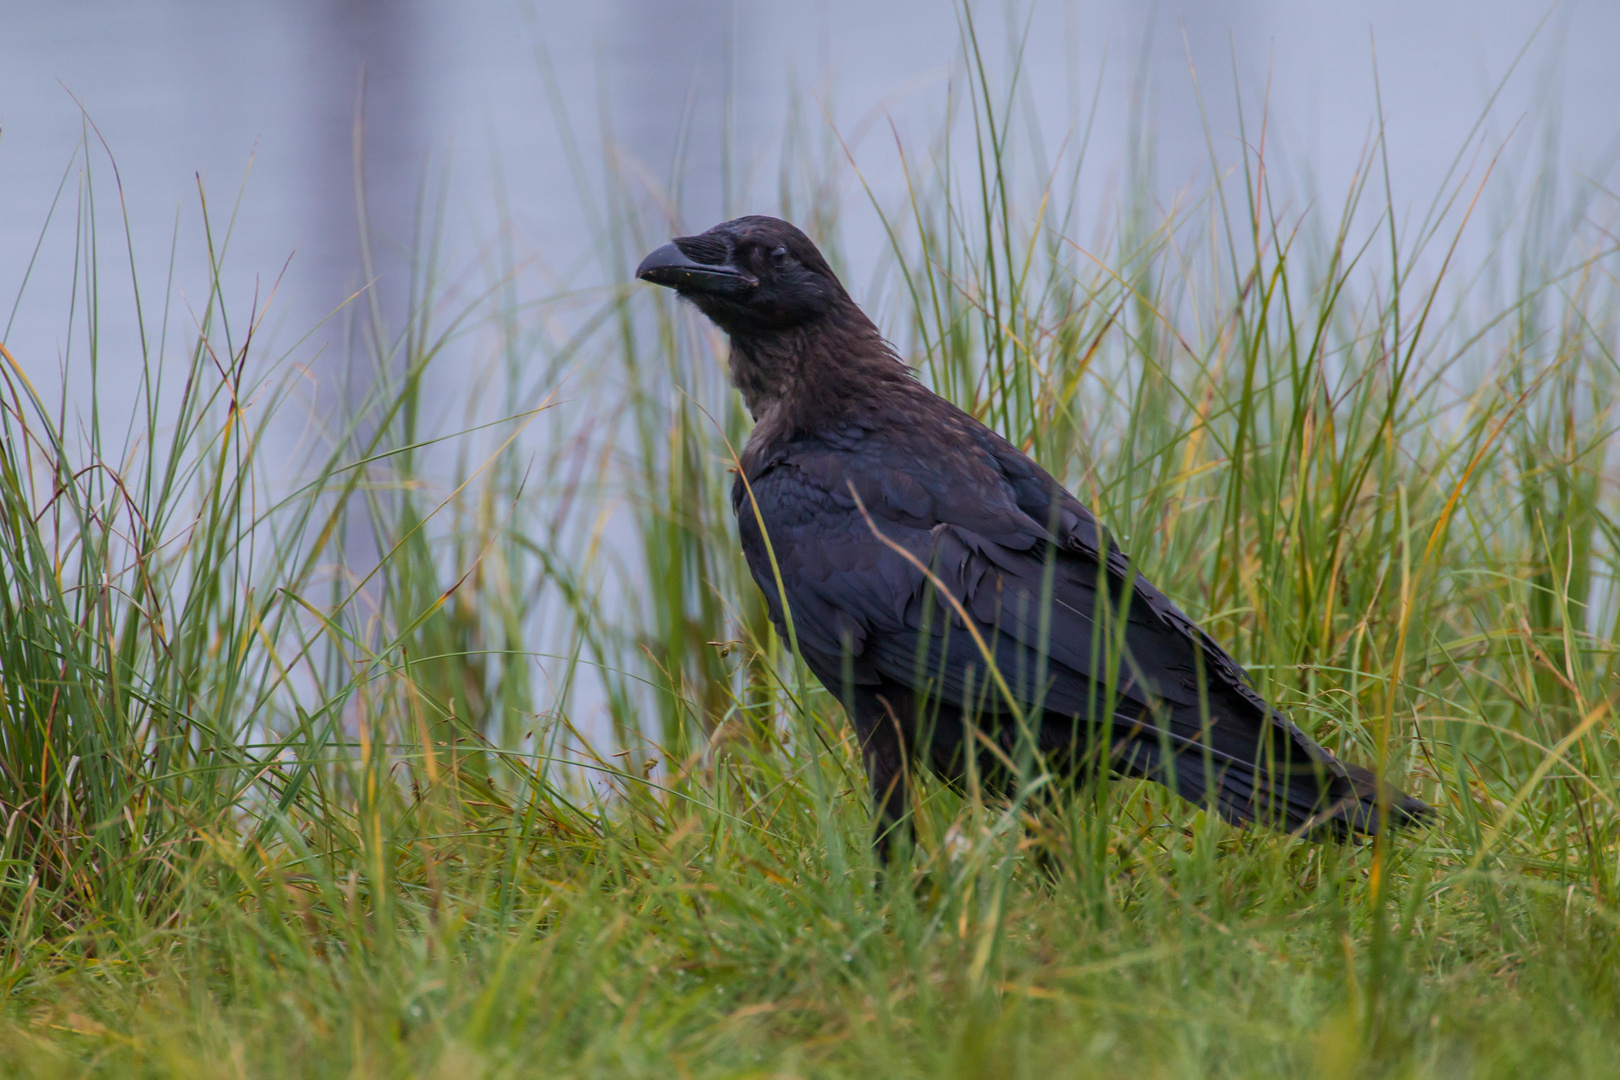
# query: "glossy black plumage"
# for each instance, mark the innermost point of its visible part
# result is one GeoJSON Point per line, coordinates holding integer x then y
{"type": "Point", "coordinates": [893, 520]}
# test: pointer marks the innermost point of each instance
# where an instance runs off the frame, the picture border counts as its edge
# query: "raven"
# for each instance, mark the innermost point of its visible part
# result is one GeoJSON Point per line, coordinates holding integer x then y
{"type": "Point", "coordinates": [964, 607]}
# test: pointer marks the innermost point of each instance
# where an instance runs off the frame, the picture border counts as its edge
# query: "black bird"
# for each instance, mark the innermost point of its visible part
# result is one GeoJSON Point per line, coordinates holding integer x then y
{"type": "Point", "coordinates": [900, 543]}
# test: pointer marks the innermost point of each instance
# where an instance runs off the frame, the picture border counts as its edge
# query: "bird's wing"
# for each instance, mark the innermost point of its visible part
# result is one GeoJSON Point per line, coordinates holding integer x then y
{"type": "Point", "coordinates": [1157, 627]}
{"type": "Point", "coordinates": [851, 534]}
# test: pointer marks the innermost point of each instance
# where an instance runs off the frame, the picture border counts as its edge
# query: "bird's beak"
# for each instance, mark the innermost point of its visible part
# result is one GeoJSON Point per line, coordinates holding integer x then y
{"type": "Point", "coordinates": [670, 266]}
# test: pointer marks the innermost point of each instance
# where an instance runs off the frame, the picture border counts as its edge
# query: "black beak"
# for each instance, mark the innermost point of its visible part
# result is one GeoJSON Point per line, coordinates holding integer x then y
{"type": "Point", "coordinates": [670, 266]}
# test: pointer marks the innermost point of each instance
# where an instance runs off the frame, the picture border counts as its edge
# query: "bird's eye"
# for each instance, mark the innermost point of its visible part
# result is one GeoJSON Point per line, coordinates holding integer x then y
{"type": "Point", "coordinates": [779, 257]}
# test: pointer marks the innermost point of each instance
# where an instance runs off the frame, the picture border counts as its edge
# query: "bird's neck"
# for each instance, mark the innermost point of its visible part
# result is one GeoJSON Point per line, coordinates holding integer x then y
{"type": "Point", "coordinates": [811, 374]}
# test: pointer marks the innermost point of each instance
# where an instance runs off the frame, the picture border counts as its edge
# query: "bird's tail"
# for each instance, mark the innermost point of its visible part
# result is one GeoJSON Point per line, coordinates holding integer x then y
{"type": "Point", "coordinates": [1357, 803]}
{"type": "Point", "coordinates": [1309, 791]}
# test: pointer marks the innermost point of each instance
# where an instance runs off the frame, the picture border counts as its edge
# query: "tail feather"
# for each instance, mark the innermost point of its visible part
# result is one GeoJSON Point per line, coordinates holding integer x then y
{"type": "Point", "coordinates": [1361, 798]}
{"type": "Point", "coordinates": [1311, 794]}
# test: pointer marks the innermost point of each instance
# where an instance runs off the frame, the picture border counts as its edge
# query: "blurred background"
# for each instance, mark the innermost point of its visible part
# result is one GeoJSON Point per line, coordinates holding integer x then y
{"type": "Point", "coordinates": [505, 109]}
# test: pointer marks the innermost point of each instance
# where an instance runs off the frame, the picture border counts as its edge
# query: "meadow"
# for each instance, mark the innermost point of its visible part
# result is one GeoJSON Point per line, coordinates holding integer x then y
{"type": "Point", "coordinates": [469, 751]}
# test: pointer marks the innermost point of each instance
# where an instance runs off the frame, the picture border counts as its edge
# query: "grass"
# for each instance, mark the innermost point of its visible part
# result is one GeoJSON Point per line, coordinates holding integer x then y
{"type": "Point", "coordinates": [537, 791]}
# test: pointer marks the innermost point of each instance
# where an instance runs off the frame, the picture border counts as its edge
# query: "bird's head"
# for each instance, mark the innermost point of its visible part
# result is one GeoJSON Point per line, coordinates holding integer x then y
{"type": "Point", "coordinates": [754, 276]}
